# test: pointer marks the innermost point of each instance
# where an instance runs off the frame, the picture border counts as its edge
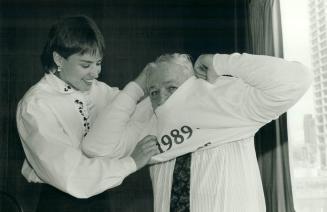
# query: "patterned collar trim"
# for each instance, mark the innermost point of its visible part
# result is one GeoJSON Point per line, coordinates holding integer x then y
{"type": "Point", "coordinates": [58, 84]}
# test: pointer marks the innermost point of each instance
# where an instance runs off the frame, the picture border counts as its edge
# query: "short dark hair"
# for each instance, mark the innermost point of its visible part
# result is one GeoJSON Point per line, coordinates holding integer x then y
{"type": "Point", "coordinates": [71, 35]}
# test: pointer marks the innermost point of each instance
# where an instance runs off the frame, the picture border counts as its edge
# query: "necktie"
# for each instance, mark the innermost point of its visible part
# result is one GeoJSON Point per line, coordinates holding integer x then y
{"type": "Point", "coordinates": [180, 191]}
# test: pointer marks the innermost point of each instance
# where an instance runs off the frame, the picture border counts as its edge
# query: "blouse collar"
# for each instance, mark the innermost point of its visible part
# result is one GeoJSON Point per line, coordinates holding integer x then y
{"type": "Point", "coordinates": [58, 84]}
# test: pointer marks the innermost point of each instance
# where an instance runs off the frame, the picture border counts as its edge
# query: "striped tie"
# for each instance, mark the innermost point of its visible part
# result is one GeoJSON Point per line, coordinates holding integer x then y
{"type": "Point", "coordinates": [180, 192]}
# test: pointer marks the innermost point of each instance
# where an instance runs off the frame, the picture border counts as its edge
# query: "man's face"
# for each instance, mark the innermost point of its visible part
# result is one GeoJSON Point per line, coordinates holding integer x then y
{"type": "Point", "coordinates": [163, 82]}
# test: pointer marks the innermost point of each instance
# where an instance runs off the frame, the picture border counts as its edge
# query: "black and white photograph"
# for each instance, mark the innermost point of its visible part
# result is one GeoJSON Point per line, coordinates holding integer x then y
{"type": "Point", "coordinates": [163, 106]}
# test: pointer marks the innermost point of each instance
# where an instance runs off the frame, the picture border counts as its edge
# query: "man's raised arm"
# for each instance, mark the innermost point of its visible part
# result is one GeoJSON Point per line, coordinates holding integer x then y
{"type": "Point", "coordinates": [273, 84]}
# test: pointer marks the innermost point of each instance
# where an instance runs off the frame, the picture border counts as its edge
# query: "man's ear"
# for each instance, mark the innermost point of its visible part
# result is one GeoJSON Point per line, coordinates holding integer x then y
{"type": "Point", "coordinates": [57, 59]}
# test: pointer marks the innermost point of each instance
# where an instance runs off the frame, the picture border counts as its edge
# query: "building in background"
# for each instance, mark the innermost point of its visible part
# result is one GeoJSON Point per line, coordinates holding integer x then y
{"type": "Point", "coordinates": [318, 31]}
{"type": "Point", "coordinates": [310, 141]}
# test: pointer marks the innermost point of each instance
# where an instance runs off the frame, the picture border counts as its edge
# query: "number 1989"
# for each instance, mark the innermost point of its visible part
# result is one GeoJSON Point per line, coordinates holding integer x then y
{"type": "Point", "coordinates": [176, 137]}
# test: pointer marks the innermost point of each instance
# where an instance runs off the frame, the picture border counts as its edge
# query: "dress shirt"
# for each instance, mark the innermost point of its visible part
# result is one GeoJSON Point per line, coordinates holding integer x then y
{"type": "Point", "coordinates": [224, 174]}
{"type": "Point", "coordinates": [52, 121]}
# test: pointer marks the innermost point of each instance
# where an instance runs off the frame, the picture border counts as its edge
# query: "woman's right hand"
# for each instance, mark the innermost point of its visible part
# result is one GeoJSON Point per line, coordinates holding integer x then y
{"type": "Point", "coordinates": [144, 150]}
{"type": "Point", "coordinates": [141, 80]}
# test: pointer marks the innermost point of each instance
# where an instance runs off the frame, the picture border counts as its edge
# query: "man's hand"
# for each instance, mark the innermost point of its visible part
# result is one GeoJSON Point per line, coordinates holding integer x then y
{"type": "Point", "coordinates": [203, 68]}
{"type": "Point", "coordinates": [144, 150]}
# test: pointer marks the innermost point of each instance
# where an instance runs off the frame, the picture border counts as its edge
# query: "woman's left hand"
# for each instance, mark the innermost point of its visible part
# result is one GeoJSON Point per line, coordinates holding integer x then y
{"type": "Point", "coordinates": [141, 81]}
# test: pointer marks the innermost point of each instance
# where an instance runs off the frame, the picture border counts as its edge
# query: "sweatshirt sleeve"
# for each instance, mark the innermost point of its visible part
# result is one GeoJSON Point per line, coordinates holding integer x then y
{"type": "Point", "coordinates": [55, 161]}
{"type": "Point", "coordinates": [116, 130]}
{"type": "Point", "coordinates": [272, 85]}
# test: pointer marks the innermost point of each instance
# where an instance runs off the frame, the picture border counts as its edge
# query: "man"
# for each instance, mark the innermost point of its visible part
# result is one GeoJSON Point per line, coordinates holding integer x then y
{"type": "Point", "coordinates": [215, 121]}
{"type": "Point", "coordinates": [224, 176]}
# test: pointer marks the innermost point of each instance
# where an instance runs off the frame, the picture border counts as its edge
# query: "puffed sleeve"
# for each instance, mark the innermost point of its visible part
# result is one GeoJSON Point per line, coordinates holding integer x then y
{"type": "Point", "coordinates": [55, 161]}
{"type": "Point", "coordinates": [119, 125]}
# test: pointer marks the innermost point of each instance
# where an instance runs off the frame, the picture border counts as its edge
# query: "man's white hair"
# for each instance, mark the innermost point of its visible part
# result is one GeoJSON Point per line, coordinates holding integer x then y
{"type": "Point", "coordinates": [182, 60]}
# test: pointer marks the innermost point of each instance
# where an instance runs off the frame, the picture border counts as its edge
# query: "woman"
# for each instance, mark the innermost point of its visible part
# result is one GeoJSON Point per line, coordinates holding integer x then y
{"type": "Point", "coordinates": [57, 113]}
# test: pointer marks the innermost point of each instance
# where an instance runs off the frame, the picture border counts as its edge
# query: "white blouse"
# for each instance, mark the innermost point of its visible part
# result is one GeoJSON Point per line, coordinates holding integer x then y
{"type": "Point", "coordinates": [53, 119]}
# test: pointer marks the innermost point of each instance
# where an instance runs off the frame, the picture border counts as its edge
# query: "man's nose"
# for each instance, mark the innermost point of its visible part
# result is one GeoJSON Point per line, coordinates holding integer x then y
{"type": "Point", "coordinates": [163, 97]}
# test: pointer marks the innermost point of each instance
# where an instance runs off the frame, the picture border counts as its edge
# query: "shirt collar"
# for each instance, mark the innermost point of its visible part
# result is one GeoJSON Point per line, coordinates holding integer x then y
{"type": "Point", "coordinates": [58, 84]}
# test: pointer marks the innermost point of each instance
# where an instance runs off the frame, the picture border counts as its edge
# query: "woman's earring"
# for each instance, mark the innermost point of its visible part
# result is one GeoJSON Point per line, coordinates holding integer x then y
{"type": "Point", "coordinates": [59, 69]}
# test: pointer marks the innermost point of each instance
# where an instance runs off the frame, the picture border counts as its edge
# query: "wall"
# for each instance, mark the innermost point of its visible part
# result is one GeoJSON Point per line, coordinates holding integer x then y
{"type": "Point", "coordinates": [136, 32]}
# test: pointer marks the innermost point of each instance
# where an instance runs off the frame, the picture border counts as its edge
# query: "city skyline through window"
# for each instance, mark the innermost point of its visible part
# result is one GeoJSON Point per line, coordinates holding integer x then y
{"type": "Point", "coordinates": [305, 40]}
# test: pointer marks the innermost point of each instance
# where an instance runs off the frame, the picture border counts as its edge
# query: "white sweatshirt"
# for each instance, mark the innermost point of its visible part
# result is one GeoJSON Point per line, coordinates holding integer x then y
{"type": "Point", "coordinates": [221, 120]}
{"type": "Point", "coordinates": [204, 115]}
{"type": "Point", "coordinates": [224, 118]}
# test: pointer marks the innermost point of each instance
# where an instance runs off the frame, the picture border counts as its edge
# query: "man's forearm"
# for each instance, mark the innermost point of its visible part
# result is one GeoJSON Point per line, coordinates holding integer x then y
{"type": "Point", "coordinates": [274, 84]}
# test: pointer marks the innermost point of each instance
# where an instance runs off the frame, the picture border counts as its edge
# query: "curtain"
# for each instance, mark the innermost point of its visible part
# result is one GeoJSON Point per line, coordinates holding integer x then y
{"type": "Point", "coordinates": [265, 28]}
{"type": "Point", "coordinates": [265, 38]}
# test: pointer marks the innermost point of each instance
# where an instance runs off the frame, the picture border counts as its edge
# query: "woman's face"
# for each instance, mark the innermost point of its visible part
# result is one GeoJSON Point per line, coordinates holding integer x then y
{"type": "Point", "coordinates": [80, 70]}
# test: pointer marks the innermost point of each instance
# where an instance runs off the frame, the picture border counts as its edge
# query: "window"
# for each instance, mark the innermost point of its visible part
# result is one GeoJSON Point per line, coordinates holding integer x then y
{"type": "Point", "coordinates": [322, 36]}
{"type": "Point", "coordinates": [317, 86]}
{"type": "Point", "coordinates": [323, 52]}
{"type": "Point", "coordinates": [319, 102]}
{"type": "Point", "coordinates": [307, 120]}
{"type": "Point", "coordinates": [323, 44]}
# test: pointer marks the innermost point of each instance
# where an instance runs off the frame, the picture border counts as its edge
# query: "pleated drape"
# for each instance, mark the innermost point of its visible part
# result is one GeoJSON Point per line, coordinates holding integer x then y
{"type": "Point", "coordinates": [265, 38]}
